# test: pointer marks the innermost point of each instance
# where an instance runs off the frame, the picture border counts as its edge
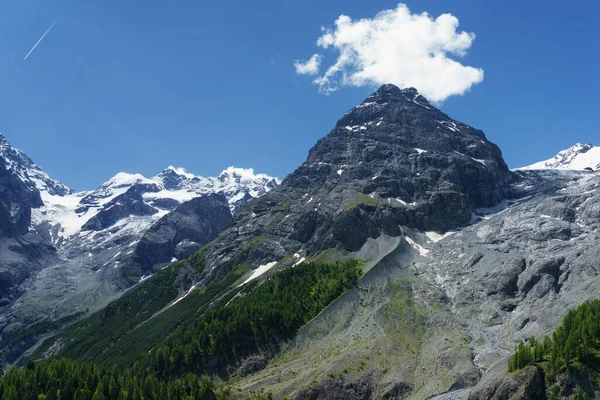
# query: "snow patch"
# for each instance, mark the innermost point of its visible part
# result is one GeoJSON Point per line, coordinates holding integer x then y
{"type": "Point", "coordinates": [436, 237]}
{"type": "Point", "coordinates": [422, 250]}
{"type": "Point", "coordinates": [300, 261]}
{"type": "Point", "coordinates": [184, 296]}
{"type": "Point", "coordinates": [578, 157]}
{"type": "Point", "coordinates": [259, 271]}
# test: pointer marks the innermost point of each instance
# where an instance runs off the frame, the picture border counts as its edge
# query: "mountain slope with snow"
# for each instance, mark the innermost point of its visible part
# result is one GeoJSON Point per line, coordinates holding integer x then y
{"type": "Point", "coordinates": [90, 246]}
{"type": "Point", "coordinates": [66, 214]}
{"type": "Point", "coordinates": [29, 172]}
{"type": "Point", "coordinates": [579, 157]}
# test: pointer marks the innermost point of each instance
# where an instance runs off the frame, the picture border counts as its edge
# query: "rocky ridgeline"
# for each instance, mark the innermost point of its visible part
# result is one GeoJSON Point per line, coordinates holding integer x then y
{"type": "Point", "coordinates": [393, 160]}
{"type": "Point", "coordinates": [581, 156]}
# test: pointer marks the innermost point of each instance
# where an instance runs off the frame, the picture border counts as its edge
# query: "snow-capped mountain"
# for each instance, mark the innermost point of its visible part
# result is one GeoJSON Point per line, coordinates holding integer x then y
{"type": "Point", "coordinates": [66, 214]}
{"type": "Point", "coordinates": [28, 172]}
{"type": "Point", "coordinates": [579, 157]}
{"type": "Point", "coordinates": [82, 249]}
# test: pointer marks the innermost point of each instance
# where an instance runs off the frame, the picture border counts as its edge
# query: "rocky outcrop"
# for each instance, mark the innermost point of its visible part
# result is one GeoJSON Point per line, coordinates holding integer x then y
{"type": "Point", "coordinates": [527, 384]}
{"type": "Point", "coordinates": [191, 225]}
{"type": "Point", "coordinates": [128, 204]}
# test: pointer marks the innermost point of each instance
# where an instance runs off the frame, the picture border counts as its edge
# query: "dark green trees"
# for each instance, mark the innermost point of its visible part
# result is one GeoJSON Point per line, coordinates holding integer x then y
{"type": "Point", "coordinates": [258, 319]}
{"type": "Point", "coordinates": [576, 343]}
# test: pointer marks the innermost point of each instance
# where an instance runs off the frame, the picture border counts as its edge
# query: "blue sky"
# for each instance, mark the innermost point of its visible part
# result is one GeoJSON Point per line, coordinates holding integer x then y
{"type": "Point", "coordinates": [136, 86]}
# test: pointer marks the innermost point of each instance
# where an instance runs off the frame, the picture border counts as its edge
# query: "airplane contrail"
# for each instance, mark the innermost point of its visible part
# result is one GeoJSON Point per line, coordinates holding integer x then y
{"type": "Point", "coordinates": [42, 38]}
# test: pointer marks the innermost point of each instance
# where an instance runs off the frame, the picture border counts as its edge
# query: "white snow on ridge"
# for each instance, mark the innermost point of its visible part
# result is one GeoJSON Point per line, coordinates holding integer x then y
{"type": "Point", "coordinates": [27, 170]}
{"type": "Point", "coordinates": [181, 171]}
{"type": "Point", "coordinates": [70, 212]}
{"type": "Point", "coordinates": [577, 157]}
{"type": "Point", "coordinates": [184, 296]}
{"type": "Point", "coordinates": [61, 210]}
{"type": "Point", "coordinates": [179, 195]}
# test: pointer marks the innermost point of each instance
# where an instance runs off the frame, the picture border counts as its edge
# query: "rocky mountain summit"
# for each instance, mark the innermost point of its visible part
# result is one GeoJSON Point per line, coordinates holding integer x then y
{"type": "Point", "coordinates": [582, 156]}
{"type": "Point", "coordinates": [394, 160]}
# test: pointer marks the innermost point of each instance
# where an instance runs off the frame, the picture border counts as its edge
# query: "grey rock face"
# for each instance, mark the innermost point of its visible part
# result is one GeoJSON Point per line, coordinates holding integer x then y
{"type": "Point", "coordinates": [527, 384]}
{"type": "Point", "coordinates": [515, 273]}
{"type": "Point", "coordinates": [393, 160]}
{"type": "Point", "coordinates": [197, 221]}
{"type": "Point", "coordinates": [22, 253]}
{"type": "Point", "coordinates": [16, 202]}
{"type": "Point", "coordinates": [128, 204]}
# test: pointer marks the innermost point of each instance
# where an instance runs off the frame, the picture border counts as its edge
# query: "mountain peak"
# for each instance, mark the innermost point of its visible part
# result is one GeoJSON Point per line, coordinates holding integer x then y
{"type": "Point", "coordinates": [28, 172]}
{"type": "Point", "coordinates": [178, 171]}
{"type": "Point", "coordinates": [390, 92]}
{"type": "Point", "coordinates": [242, 174]}
{"type": "Point", "coordinates": [580, 156]}
{"type": "Point", "coordinates": [390, 88]}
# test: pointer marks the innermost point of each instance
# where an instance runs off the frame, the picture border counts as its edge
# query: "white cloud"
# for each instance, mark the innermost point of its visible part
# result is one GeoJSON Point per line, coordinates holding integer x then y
{"type": "Point", "coordinates": [396, 47]}
{"type": "Point", "coordinates": [310, 67]}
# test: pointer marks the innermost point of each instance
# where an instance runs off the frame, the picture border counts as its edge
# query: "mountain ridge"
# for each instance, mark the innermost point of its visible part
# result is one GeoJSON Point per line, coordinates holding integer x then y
{"type": "Point", "coordinates": [390, 161]}
{"type": "Point", "coordinates": [581, 156]}
{"type": "Point", "coordinates": [85, 248]}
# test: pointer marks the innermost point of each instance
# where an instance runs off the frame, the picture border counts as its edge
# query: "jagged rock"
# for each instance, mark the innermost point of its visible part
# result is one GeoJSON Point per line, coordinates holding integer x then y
{"type": "Point", "coordinates": [361, 388]}
{"type": "Point", "coordinates": [128, 204]}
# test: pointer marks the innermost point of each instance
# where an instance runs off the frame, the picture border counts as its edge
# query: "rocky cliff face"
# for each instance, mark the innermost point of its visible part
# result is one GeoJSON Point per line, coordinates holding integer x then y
{"type": "Point", "coordinates": [22, 253]}
{"type": "Point", "coordinates": [393, 160]}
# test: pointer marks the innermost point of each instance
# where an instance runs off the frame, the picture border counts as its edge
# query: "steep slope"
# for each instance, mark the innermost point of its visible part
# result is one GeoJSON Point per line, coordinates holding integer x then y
{"type": "Point", "coordinates": [182, 232]}
{"type": "Point", "coordinates": [578, 157]}
{"type": "Point", "coordinates": [22, 252]}
{"type": "Point", "coordinates": [393, 160]}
